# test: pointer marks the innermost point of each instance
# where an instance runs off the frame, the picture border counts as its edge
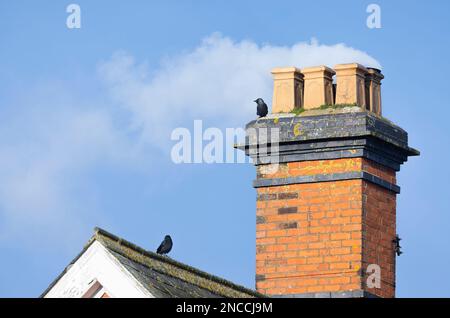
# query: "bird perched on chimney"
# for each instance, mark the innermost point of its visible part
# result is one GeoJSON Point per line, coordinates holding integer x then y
{"type": "Point", "coordinates": [261, 109]}
{"type": "Point", "coordinates": [166, 245]}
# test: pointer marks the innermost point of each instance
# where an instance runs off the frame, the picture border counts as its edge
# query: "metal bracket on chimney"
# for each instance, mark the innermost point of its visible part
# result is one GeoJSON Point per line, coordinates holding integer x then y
{"type": "Point", "coordinates": [397, 247]}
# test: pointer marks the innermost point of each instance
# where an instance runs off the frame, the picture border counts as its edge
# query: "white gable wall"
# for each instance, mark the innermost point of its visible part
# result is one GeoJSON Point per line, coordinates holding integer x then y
{"type": "Point", "coordinates": [97, 266]}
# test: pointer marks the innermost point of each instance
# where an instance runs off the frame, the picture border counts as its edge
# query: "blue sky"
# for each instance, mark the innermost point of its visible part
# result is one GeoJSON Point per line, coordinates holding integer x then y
{"type": "Point", "coordinates": [86, 116]}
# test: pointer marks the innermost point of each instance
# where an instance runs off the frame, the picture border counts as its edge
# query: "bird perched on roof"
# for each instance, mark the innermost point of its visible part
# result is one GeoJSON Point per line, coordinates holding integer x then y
{"type": "Point", "coordinates": [261, 109]}
{"type": "Point", "coordinates": [166, 245]}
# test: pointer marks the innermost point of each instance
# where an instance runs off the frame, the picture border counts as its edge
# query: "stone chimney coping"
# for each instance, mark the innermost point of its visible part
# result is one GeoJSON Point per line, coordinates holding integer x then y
{"type": "Point", "coordinates": [334, 136]}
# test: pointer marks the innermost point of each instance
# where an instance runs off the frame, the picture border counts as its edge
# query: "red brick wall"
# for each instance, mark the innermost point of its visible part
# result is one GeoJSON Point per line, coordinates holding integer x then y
{"type": "Point", "coordinates": [310, 236]}
{"type": "Point", "coordinates": [379, 230]}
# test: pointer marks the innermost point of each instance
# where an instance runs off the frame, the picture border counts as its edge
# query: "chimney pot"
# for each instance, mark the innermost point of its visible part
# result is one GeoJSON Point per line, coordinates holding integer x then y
{"type": "Point", "coordinates": [287, 89]}
{"type": "Point", "coordinates": [318, 86]}
{"type": "Point", "coordinates": [373, 90]}
{"type": "Point", "coordinates": [350, 84]}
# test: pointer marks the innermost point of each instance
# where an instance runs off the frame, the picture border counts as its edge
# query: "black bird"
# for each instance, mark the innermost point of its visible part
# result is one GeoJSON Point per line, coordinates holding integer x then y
{"type": "Point", "coordinates": [261, 109]}
{"type": "Point", "coordinates": [166, 245]}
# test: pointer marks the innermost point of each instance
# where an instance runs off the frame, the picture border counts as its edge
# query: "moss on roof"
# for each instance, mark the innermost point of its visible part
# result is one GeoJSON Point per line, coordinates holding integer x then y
{"type": "Point", "coordinates": [168, 266]}
{"type": "Point", "coordinates": [175, 277]}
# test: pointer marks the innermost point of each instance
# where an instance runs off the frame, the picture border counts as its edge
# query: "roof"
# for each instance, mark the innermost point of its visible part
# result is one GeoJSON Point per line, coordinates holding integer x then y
{"type": "Point", "coordinates": [162, 276]}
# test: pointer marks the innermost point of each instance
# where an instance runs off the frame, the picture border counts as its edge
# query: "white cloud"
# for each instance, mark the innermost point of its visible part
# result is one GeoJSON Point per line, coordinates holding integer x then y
{"type": "Point", "coordinates": [52, 140]}
{"type": "Point", "coordinates": [216, 81]}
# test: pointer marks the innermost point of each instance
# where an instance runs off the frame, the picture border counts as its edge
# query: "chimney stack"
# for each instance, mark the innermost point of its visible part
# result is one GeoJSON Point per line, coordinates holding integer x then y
{"type": "Point", "coordinates": [326, 210]}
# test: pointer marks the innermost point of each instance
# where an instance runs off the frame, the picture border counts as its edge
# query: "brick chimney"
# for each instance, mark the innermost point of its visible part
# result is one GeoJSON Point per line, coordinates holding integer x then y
{"type": "Point", "coordinates": [326, 211]}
